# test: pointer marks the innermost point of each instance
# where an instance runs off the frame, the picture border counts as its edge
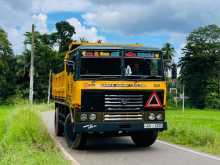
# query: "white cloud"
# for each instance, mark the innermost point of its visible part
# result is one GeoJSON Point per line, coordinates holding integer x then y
{"type": "Point", "coordinates": [17, 16]}
{"type": "Point", "coordinates": [139, 17]}
{"type": "Point", "coordinates": [179, 51]}
{"type": "Point", "coordinates": [16, 19]}
{"type": "Point", "coordinates": [142, 16]}
{"type": "Point", "coordinates": [16, 38]}
{"type": "Point", "coordinates": [47, 6]}
{"type": "Point", "coordinates": [90, 33]}
{"type": "Point", "coordinates": [16, 33]}
{"type": "Point", "coordinates": [127, 19]}
{"type": "Point", "coordinates": [11, 16]}
{"type": "Point", "coordinates": [173, 18]}
{"type": "Point", "coordinates": [180, 40]}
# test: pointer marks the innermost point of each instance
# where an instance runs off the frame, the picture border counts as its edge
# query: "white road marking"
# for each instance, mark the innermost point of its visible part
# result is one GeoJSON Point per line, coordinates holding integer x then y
{"type": "Point", "coordinates": [189, 150]}
{"type": "Point", "coordinates": [66, 154]}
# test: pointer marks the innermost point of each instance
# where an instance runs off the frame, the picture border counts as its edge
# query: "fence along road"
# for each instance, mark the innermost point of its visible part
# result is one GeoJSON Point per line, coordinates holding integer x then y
{"type": "Point", "coordinates": [122, 151]}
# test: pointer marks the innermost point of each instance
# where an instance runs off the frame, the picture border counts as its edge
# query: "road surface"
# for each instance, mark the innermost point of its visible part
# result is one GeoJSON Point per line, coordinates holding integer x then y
{"type": "Point", "coordinates": [122, 151]}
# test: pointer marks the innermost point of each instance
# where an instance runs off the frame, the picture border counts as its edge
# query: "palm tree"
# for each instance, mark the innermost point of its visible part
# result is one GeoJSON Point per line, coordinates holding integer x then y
{"type": "Point", "coordinates": [168, 54]}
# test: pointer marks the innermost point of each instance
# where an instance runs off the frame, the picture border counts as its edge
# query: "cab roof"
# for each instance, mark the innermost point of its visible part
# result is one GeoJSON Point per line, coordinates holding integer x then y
{"type": "Point", "coordinates": [118, 47]}
{"type": "Point", "coordinates": [107, 46]}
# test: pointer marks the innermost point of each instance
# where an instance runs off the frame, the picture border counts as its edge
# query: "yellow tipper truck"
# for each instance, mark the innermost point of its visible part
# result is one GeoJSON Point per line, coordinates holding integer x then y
{"type": "Point", "coordinates": [110, 90]}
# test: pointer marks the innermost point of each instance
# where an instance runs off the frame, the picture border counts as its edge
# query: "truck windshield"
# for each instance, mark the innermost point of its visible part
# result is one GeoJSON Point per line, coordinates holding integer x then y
{"type": "Point", "coordinates": [95, 67]}
{"type": "Point", "coordinates": [140, 67]}
{"type": "Point", "coordinates": [133, 65]}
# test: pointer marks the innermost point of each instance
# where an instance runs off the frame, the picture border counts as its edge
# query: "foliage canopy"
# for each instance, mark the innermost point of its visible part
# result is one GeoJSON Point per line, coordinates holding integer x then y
{"type": "Point", "coordinates": [200, 67]}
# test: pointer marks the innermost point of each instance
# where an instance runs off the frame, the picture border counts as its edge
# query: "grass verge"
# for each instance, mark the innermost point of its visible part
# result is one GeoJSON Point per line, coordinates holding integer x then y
{"type": "Point", "coordinates": [24, 139]}
{"type": "Point", "coordinates": [197, 129]}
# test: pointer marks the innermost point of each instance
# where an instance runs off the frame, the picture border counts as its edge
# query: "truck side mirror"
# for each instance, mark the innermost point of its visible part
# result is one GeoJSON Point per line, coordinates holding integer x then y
{"type": "Point", "coordinates": [70, 67]}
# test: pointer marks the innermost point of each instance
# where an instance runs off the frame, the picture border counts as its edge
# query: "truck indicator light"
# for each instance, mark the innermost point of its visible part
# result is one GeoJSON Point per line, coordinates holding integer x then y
{"type": "Point", "coordinates": [153, 101]}
{"type": "Point", "coordinates": [130, 54]}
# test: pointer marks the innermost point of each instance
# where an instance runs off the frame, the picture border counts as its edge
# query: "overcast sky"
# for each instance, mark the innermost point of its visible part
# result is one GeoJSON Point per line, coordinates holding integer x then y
{"type": "Point", "coordinates": [151, 22]}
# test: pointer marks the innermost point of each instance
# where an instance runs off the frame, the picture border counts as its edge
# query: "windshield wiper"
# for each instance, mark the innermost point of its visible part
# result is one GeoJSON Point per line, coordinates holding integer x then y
{"type": "Point", "coordinates": [106, 77]}
{"type": "Point", "coordinates": [142, 76]}
{"type": "Point", "coordinates": [152, 76]}
{"type": "Point", "coordinates": [100, 77]}
{"type": "Point", "coordinates": [133, 76]}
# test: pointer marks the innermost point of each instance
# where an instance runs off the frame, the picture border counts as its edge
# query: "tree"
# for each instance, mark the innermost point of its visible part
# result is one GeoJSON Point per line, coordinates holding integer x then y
{"type": "Point", "coordinates": [63, 35]}
{"type": "Point", "coordinates": [7, 62]}
{"type": "Point", "coordinates": [168, 54]}
{"type": "Point", "coordinates": [200, 67]}
{"type": "Point", "coordinates": [46, 59]}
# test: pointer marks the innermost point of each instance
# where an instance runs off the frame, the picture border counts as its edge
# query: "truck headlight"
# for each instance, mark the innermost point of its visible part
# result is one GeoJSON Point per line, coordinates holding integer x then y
{"type": "Point", "coordinates": [83, 117]}
{"type": "Point", "coordinates": [159, 116]}
{"type": "Point", "coordinates": [151, 116]}
{"type": "Point", "coordinates": [92, 116]}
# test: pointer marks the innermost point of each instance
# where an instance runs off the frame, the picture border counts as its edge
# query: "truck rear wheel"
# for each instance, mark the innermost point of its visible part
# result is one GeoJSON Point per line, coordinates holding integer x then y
{"type": "Point", "coordinates": [57, 122]}
{"type": "Point", "coordinates": [144, 139]}
{"type": "Point", "coordinates": [74, 140]}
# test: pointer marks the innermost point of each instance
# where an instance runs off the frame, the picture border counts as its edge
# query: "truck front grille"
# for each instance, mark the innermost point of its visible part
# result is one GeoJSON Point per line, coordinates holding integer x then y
{"type": "Point", "coordinates": [123, 117]}
{"type": "Point", "coordinates": [123, 102]}
{"type": "Point", "coordinates": [110, 101]}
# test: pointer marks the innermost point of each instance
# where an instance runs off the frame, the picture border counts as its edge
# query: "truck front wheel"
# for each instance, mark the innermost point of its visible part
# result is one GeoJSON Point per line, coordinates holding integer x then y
{"type": "Point", "coordinates": [144, 139]}
{"type": "Point", "coordinates": [74, 140]}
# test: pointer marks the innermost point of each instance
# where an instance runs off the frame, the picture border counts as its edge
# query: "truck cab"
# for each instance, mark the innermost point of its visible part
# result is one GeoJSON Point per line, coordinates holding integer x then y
{"type": "Point", "coordinates": [107, 89]}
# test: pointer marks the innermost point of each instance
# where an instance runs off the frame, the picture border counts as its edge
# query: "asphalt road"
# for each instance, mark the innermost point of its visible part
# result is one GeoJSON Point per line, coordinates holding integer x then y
{"type": "Point", "coordinates": [122, 151]}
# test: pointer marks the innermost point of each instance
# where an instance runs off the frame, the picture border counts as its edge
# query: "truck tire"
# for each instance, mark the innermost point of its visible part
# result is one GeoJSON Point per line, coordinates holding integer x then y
{"type": "Point", "coordinates": [57, 122]}
{"type": "Point", "coordinates": [144, 139]}
{"type": "Point", "coordinates": [74, 140]}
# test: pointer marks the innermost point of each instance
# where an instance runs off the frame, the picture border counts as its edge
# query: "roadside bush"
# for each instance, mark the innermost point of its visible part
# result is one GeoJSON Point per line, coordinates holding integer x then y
{"type": "Point", "coordinates": [15, 100]}
{"type": "Point", "coordinates": [201, 138]}
{"type": "Point", "coordinates": [26, 141]}
{"type": "Point", "coordinates": [213, 100]}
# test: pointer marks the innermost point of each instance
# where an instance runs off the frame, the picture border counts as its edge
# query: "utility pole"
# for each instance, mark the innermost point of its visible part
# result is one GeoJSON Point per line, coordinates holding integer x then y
{"type": "Point", "coordinates": [49, 87]}
{"type": "Point", "coordinates": [1, 50]}
{"type": "Point", "coordinates": [176, 98]}
{"type": "Point", "coordinates": [31, 89]}
{"type": "Point", "coordinates": [183, 106]}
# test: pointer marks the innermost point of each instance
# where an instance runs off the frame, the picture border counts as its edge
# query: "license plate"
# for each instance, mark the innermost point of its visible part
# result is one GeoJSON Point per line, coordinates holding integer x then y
{"type": "Point", "coordinates": [153, 125]}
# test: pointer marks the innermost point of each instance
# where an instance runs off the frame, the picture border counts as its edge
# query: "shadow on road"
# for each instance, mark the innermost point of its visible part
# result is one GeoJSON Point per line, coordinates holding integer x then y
{"type": "Point", "coordinates": [112, 144]}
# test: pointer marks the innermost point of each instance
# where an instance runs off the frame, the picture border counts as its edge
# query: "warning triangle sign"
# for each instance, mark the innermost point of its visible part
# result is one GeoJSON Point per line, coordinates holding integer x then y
{"type": "Point", "coordinates": [153, 101]}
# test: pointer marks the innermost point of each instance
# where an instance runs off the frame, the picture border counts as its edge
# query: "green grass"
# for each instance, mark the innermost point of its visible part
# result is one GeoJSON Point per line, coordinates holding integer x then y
{"type": "Point", "coordinates": [24, 139]}
{"type": "Point", "coordinates": [198, 129]}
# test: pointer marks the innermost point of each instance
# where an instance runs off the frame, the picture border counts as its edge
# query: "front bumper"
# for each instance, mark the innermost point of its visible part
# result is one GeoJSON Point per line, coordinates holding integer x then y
{"type": "Point", "coordinates": [114, 127]}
